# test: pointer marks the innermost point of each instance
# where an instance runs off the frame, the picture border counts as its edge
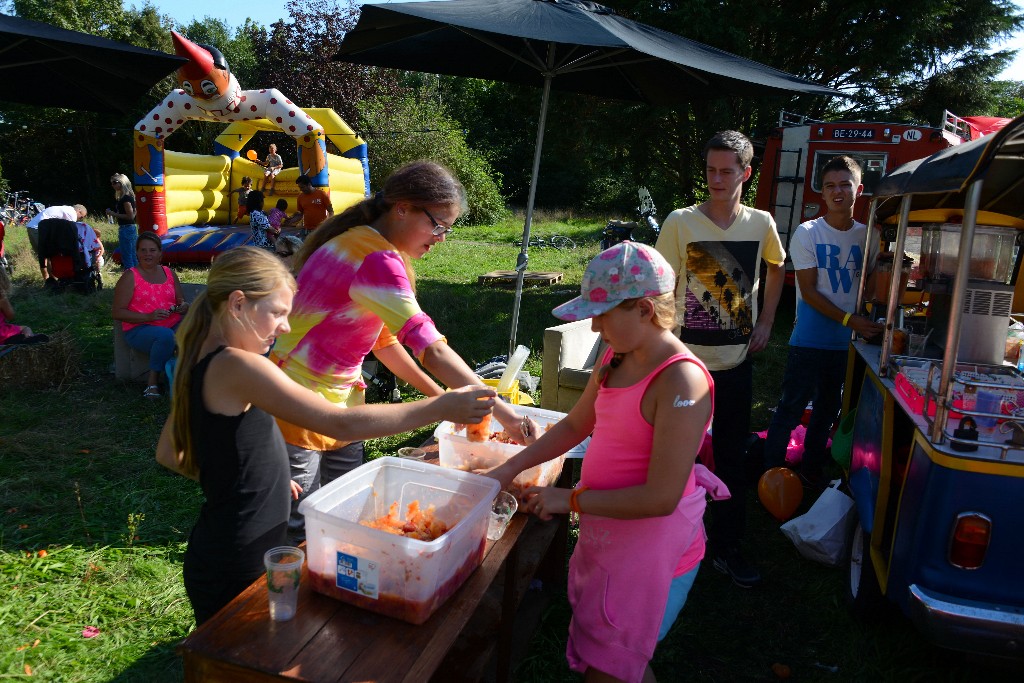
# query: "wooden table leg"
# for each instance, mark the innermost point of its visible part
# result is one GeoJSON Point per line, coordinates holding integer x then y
{"type": "Point", "coordinates": [552, 570]}
{"type": "Point", "coordinates": [509, 605]}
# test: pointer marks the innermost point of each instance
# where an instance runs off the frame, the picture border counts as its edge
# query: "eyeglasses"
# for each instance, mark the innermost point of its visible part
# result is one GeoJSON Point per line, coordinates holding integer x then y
{"type": "Point", "coordinates": [438, 228]}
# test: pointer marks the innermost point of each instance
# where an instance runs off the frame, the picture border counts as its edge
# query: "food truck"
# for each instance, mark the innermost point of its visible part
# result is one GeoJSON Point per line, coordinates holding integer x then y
{"type": "Point", "coordinates": [937, 408]}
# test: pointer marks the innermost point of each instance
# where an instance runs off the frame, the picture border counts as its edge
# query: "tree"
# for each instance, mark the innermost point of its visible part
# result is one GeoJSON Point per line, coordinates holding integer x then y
{"type": "Point", "coordinates": [65, 156]}
{"type": "Point", "coordinates": [4, 186]}
{"type": "Point", "coordinates": [588, 161]}
{"type": "Point", "coordinates": [904, 60]}
{"type": "Point", "coordinates": [295, 58]}
{"type": "Point", "coordinates": [896, 61]}
{"type": "Point", "coordinates": [402, 130]}
{"type": "Point", "coordinates": [1007, 99]}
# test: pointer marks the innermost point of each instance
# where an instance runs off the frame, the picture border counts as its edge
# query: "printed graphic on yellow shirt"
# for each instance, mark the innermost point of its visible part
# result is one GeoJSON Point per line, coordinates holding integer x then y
{"type": "Point", "coordinates": [720, 284]}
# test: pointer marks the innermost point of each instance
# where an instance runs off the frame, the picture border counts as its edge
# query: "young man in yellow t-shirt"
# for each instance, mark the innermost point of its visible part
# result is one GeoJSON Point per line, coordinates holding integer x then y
{"type": "Point", "coordinates": [717, 248]}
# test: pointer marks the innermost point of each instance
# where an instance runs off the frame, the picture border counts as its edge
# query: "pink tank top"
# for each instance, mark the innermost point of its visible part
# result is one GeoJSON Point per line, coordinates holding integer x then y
{"type": "Point", "coordinates": [619, 457]}
{"type": "Point", "coordinates": [149, 297]}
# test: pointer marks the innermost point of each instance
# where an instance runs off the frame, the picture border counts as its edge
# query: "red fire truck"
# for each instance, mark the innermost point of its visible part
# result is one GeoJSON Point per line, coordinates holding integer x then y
{"type": "Point", "coordinates": [789, 186]}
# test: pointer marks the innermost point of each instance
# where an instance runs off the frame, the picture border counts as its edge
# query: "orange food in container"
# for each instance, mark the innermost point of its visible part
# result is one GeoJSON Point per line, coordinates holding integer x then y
{"type": "Point", "coordinates": [480, 431]}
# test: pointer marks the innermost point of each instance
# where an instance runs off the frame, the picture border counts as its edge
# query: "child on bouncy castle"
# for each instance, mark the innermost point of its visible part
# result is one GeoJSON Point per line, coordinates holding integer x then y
{"type": "Point", "coordinates": [243, 194]}
{"type": "Point", "coordinates": [641, 495]}
{"type": "Point", "coordinates": [277, 215]}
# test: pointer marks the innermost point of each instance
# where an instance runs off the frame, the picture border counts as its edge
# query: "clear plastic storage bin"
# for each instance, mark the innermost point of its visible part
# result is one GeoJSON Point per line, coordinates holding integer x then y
{"type": "Point", "coordinates": [458, 452]}
{"type": "Point", "coordinates": [394, 575]}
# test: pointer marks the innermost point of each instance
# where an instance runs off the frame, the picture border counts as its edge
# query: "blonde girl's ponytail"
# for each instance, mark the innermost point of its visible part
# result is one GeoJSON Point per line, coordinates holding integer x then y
{"type": "Point", "coordinates": [189, 337]}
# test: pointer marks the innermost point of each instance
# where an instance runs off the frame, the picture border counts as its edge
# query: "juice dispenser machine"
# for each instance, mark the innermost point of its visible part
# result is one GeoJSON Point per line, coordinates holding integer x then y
{"type": "Point", "coordinates": [989, 296]}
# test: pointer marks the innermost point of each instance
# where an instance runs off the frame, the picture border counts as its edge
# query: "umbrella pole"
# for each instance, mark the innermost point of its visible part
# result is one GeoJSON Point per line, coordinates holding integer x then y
{"type": "Point", "coordinates": [523, 258]}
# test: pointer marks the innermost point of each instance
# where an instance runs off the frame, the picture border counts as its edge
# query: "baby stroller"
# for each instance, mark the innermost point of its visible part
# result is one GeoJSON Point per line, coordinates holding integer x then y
{"type": "Point", "coordinates": [61, 245]}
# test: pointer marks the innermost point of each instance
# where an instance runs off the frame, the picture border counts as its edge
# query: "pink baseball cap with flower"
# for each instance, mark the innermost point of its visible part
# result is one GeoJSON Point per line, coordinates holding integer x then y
{"type": "Point", "coordinates": [628, 270]}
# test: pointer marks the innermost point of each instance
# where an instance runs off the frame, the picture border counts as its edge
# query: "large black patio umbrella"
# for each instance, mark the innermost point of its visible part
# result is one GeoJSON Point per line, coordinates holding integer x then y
{"type": "Point", "coordinates": [52, 67]}
{"type": "Point", "coordinates": [570, 45]}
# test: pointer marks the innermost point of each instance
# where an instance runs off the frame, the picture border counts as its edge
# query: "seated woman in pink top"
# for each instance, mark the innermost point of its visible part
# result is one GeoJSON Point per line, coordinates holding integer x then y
{"type": "Point", "coordinates": [357, 295]}
{"type": "Point", "coordinates": [641, 497]}
{"type": "Point", "coordinates": [149, 304]}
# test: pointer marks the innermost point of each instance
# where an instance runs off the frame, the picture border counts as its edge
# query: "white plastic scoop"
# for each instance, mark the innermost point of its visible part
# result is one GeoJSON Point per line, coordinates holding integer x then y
{"type": "Point", "coordinates": [515, 364]}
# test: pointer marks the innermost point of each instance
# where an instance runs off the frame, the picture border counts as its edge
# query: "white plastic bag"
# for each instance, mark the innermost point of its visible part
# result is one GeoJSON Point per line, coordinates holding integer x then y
{"type": "Point", "coordinates": [822, 532]}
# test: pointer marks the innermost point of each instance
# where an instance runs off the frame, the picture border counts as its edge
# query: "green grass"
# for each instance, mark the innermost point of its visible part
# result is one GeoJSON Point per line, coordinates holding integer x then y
{"type": "Point", "coordinates": [78, 480]}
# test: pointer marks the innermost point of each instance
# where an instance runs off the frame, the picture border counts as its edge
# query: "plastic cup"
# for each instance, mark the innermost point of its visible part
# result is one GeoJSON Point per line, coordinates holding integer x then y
{"type": "Point", "coordinates": [900, 338]}
{"type": "Point", "coordinates": [917, 342]}
{"type": "Point", "coordinates": [988, 402]}
{"type": "Point", "coordinates": [284, 570]}
{"type": "Point", "coordinates": [411, 453]}
{"type": "Point", "coordinates": [502, 509]}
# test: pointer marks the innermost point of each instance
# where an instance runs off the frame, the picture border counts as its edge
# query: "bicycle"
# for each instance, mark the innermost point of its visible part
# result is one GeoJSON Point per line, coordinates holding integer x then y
{"type": "Point", "coordinates": [19, 208]}
{"type": "Point", "coordinates": [559, 242]}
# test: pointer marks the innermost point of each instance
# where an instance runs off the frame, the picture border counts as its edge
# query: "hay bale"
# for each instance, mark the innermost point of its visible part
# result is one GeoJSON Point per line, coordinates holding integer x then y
{"type": "Point", "coordinates": [40, 365]}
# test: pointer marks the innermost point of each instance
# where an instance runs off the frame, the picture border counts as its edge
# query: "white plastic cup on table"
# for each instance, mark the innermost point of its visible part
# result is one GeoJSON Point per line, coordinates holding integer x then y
{"type": "Point", "coordinates": [284, 571]}
{"type": "Point", "coordinates": [411, 453]}
{"type": "Point", "coordinates": [502, 509]}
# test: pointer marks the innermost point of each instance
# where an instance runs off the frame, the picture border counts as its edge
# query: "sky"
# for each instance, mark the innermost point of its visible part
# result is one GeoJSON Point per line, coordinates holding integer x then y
{"type": "Point", "coordinates": [1015, 72]}
{"type": "Point", "coordinates": [266, 12]}
{"type": "Point", "coordinates": [234, 12]}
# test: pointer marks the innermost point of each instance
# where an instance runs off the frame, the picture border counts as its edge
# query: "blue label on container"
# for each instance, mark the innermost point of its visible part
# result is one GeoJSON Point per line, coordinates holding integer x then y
{"type": "Point", "coordinates": [357, 574]}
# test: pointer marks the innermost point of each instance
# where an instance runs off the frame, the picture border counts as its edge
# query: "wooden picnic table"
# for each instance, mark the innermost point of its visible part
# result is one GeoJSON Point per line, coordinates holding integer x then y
{"type": "Point", "coordinates": [329, 640]}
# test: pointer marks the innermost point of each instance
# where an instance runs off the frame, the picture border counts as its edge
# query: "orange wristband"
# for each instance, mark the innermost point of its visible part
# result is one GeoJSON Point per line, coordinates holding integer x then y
{"type": "Point", "coordinates": [574, 503]}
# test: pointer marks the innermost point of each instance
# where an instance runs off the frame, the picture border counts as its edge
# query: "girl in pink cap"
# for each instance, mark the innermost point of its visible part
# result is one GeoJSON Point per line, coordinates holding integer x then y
{"type": "Point", "coordinates": [641, 497]}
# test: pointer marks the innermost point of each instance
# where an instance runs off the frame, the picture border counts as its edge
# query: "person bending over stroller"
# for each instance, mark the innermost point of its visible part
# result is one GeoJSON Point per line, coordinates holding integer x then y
{"type": "Point", "coordinates": [69, 213]}
{"type": "Point", "coordinates": [149, 304]}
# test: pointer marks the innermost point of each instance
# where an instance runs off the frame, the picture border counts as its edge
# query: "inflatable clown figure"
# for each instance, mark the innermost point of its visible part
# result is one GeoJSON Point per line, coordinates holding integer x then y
{"type": "Point", "coordinates": [209, 92]}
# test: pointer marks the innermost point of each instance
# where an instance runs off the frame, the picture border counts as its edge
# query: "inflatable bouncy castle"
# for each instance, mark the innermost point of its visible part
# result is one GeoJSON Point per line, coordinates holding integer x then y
{"type": "Point", "coordinates": [189, 199]}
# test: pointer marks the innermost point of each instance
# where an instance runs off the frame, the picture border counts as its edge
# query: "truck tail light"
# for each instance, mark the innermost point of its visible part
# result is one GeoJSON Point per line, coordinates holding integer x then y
{"type": "Point", "coordinates": [969, 543]}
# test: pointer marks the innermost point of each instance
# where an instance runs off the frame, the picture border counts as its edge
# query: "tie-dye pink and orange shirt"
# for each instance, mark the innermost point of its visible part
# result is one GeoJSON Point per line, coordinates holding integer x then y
{"type": "Point", "coordinates": [354, 291]}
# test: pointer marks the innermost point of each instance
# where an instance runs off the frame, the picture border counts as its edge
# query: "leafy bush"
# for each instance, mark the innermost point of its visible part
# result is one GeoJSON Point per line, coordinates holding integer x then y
{"type": "Point", "coordinates": [399, 130]}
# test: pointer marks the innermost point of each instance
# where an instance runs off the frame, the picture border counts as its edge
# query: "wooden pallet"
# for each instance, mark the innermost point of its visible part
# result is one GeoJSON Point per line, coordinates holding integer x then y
{"type": "Point", "coordinates": [507, 278]}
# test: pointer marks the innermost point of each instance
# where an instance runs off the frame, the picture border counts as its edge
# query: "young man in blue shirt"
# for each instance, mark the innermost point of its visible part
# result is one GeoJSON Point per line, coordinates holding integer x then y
{"type": "Point", "coordinates": [829, 259]}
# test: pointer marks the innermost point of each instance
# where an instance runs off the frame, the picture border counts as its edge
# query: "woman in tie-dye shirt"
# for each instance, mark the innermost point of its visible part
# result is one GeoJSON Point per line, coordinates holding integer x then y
{"type": "Point", "coordinates": [356, 294]}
